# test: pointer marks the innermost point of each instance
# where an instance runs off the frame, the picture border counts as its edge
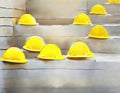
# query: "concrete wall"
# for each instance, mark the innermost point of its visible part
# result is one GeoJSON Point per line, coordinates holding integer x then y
{"type": "Point", "coordinates": [10, 11]}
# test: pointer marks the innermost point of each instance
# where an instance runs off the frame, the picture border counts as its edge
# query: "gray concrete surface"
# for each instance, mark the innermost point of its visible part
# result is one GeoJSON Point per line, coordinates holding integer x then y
{"type": "Point", "coordinates": [47, 9]}
{"type": "Point", "coordinates": [62, 30]}
{"type": "Point", "coordinates": [7, 21]}
{"type": "Point", "coordinates": [6, 31]}
{"type": "Point", "coordinates": [6, 42]}
{"type": "Point", "coordinates": [11, 12]}
{"type": "Point", "coordinates": [20, 4]}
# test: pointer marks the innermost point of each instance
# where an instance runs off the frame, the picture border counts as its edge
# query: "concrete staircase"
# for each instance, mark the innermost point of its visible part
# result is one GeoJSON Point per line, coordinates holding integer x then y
{"type": "Point", "coordinates": [96, 75]}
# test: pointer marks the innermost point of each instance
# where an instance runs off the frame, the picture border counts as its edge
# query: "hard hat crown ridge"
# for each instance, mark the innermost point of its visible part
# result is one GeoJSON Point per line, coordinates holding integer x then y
{"type": "Point", "coordinates": [82, 19]}
{"type": "Point", "coordinates": [79, 50]}
{"type": "Point", "coordinates": [34, 43]}
{"type": "Point", "coordinates": [98, 9]}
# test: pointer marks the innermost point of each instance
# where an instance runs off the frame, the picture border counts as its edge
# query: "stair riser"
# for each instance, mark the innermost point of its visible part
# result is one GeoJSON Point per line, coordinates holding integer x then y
{"type": "Point", "coordinates": [96, 45]}
{"type": "Point", "coordinates": [46, 9]}
{"type": "Point", "coordinates": [62, 30]}
{"type": "Point", "coordinates": [11, 13]}
{"type": "Point", "coordinates": [6, 31]}
{"type": "Point", "coordinates": [104, 46]}
{"type": "Point", "coordinates": [20, 4]}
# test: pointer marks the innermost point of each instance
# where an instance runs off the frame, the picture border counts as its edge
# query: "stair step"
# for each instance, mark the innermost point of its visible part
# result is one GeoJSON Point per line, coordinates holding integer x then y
{"type": "Point", "coordinates": [111, 8]}
{"type": "Point", "coordinates": [104, 46]}
{"type": "Point", "coordinates": [20, 4]}
{"type": "Point", "coordinates": [6, 30]}
{"type": "Point", "coordinates": [105, 19]}
{"type": "Point", "coordinates": [101, 46]}
{"type": "Point", "coordinates": [56, 9]}
{"type": "Point", "coordinates": [7, 41]}
{"type": "Point", "coordinates": [62, 30]}
{"type": "Point", "coordinates": [8, 21]}
{"type": "Point", "coordinates": [11, 13]}
{"type": "Point", "coordinates": [75, 74]}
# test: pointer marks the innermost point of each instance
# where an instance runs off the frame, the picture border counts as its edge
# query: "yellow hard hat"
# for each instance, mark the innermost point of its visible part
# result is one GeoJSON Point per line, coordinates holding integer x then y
{"type": "Point", "coordinates": [82, 19]}
{"type": "Point", "coordinates": [114, 1]}
{"type": "Point", "coordinates": [51, 52]}
{"type": "Point", "coordinates": [79, 50]}
{"type": "Point", "coordinates": [13, 55]}
{"type": "Point", "coordinates": [99, 32]}
{"type": "Point", "coordinates": [34, 43]}
{"type": "Point", "coordinates": [27, 19]}
{"type": "Point", "coordinates": [98, 9]}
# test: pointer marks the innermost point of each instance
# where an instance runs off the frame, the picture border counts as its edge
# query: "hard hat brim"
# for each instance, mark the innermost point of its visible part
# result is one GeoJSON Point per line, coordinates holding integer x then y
{"type": "Point", "coordinates": [32, 50]}
{"type": "Point", "coordinates": [35, 24]}
{"type": "Point", "coordinates": [82, 23]}
{"type": "Point", "coordinates": [14, 61]}
{"type": "Point", "coordinates": [99, 37]}
{"type": "Point", "coordinates": [50, 58]}
{"type": "Point", "coordinates": [98, 13]}
{"type": "Point", "coordinates": [84, 56]}
{"type": "Point", "coordinates": [113, 3]}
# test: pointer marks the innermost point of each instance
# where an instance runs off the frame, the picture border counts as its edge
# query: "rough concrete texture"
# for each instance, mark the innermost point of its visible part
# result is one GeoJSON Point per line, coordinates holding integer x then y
{"type": "Point", "coordinates": [62, 30]}
{"type": "Point", "coordinates": [8, 21]}
{"type": "Point", "coordinates": [6, 31]}
{"type": "Point", "coordinates": [47, 9]}
{"type": "Point", "coordinates": [11, 12]}
{"type": "Point", "coordinates": [20, 4]}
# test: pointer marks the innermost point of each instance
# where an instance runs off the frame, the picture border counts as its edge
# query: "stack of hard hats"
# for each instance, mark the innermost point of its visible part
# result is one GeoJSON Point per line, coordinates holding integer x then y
{"type": "Point", "coordinates": [99, 32]}
{"type": "Point", "coordinates": [79, 50]}
{"type": "Point", "coordinates": [98, 9]}
{"type": "Point", "coordinates": [114, 1]}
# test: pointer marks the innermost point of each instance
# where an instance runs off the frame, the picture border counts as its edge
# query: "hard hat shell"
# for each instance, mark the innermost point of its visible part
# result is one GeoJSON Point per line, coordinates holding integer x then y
{"type": "Point", "coordinates": [114, 1]}
{"type": "Point", "coordinates": [79, 50]}
{"type": "Point", "coordinates": [34, 43]}
{"type": "Point", "coordinates": [27, 19]}
{"type": "Point", "coordinates": [13, 55]}
{"type": "Point", "coordinates": [82, 19]}
{"type": "Point", "coordinates": [98, 9]}
{"type": "Point", "coordinates": [99, 32]}
{"type": "Point", "coordinates": [51, 52]}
